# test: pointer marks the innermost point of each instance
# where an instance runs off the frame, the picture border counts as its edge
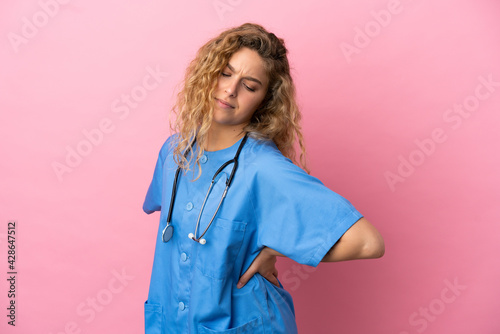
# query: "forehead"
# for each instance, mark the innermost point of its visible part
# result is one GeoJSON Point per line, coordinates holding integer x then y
{"type": "Point", "coordinates": [248, 62]}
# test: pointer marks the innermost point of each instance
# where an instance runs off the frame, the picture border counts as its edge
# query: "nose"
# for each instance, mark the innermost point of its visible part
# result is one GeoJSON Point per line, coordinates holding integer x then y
{"type": "Point", "coordinates": [232, 87]}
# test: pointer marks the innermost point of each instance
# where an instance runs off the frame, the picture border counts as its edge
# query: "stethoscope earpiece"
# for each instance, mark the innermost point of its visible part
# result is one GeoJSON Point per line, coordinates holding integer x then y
{"type": "Point", "coordinates": [201, 241]}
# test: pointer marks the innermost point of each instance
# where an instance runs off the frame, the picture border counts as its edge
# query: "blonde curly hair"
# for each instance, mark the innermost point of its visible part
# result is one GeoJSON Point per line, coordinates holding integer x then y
{"type": "Point", "coordinates": [278, 116]}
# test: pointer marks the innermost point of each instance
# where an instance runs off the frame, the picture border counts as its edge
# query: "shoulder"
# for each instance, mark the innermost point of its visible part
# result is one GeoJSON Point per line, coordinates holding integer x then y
{"type": "Point", "coordinates": [262, 151]}
{"type": "Point", "coordinates": [262, 157]}
{"type": "Point", "coordinates": [168, 145]}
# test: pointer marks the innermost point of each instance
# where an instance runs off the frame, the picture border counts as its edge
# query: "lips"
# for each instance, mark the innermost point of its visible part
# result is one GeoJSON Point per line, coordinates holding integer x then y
{"type": "Point", "coordinates": [224, 103]}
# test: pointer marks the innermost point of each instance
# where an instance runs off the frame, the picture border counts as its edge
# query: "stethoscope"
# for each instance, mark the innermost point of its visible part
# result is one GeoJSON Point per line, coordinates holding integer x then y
{"type": "Point", "coordinates": [169, 229]}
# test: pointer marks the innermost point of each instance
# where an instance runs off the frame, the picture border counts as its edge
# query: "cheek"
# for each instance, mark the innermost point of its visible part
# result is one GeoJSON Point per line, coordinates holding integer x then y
{"type": "Point", "coordinates": [257, 99]}
{"type": "Point", "coordinates": [217, 83]}
{"type": "Point", "coordinates": [252, 104]}
{"type": "Point", "coordinates": [218, 86]}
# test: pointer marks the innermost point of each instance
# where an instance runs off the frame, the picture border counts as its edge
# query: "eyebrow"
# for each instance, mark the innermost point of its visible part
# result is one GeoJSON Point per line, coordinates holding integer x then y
{"type": "Point", "coordinates": [248, 78]}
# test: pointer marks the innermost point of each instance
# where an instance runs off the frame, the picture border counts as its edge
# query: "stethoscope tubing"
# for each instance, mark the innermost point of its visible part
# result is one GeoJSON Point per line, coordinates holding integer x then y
{"type": "Point", "coordinates": [194, 237]}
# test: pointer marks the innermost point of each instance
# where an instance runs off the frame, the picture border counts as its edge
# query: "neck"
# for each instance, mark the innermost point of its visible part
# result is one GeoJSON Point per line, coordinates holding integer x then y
{"type": "Point", "coordinates": [221, 137]}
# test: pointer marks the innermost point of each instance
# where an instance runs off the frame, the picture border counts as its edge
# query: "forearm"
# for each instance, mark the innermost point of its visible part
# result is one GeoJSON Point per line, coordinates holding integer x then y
{"type": "Point", "coordinates": [270, 251]}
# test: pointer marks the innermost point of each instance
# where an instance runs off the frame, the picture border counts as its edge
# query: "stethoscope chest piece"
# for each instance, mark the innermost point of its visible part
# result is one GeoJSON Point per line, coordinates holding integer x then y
{"type": "Point", "coordinates": [168, 231]}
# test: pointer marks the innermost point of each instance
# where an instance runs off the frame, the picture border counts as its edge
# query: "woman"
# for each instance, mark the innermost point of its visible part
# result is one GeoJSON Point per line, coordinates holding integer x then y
{"type": "Point", "coordinates": [244, 201]}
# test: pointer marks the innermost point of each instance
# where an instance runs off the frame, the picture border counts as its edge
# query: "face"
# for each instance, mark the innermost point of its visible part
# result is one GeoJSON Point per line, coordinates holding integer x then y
{"type": "Point", "coordinates": [241, 87]}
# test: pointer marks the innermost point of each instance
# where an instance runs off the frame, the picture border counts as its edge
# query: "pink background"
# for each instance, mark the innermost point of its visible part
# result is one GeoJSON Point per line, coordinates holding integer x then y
{"type": "Point", "coordinates": [364, 110]}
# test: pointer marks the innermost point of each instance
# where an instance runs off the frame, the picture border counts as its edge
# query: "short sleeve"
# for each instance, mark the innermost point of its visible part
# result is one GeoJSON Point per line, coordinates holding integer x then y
{"type": "Point", "coordinates": [297, 215]}
{"type": "Point", "coordinates": [153, 198]}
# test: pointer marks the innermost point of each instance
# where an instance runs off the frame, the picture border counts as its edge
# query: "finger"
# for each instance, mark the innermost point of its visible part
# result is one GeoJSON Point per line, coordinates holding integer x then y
{"type": "Point", "coordinates": [273, 280]}
{"type": "Point", "coordinates": [246, 276]}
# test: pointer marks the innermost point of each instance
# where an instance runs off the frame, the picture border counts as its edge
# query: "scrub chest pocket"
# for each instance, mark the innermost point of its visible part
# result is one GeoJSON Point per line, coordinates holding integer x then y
{"type": "Point", "coordinates": [216, 258]}
{"type": "Point", "coordinates": [152, 318]}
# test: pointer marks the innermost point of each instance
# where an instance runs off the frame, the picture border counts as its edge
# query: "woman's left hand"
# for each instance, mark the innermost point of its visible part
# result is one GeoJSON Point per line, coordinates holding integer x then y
{"type": "Point", "coordinates": [264, 264]}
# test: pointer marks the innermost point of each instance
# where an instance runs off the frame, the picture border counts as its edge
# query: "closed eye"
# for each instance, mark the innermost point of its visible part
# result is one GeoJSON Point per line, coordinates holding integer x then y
{"type": "Point", "coordinates": [228, 75]}
{"type": "Point", "coordinates": [250, 89]}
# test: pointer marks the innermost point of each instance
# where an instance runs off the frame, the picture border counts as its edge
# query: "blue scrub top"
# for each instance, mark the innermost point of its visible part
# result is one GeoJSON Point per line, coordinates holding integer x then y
{"type": "Point", "coordinates": [271, 202]}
